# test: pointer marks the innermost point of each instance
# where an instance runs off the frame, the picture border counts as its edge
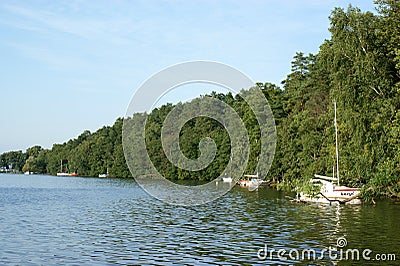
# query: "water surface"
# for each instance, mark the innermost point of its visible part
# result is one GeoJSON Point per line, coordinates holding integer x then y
{"type": "Point", "coordinates": [72, 220]}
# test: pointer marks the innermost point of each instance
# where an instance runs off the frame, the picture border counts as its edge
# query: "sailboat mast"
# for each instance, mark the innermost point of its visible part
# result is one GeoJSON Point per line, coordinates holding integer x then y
{"type": "Point", "coordinates": [337, 148]}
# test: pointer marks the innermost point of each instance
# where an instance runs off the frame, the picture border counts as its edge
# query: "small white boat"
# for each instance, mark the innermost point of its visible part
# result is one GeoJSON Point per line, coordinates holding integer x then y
{"type": "Point", "coordinates": [330, 193]}
{"type": "Point", "coordinates": [104, 175]}
{"type": "Point", "coordinates": [252, 182]}
{"type": "Point", "coordinates": [227, 179]}
{"type": "Point", "coordinates": [65, 173]}
{"type": "Point", "coordinates": [62, 174]}
{"type": "Point", "coordinates": [330, 190]}
{"type": "Point", "coordinates": [27, 173]}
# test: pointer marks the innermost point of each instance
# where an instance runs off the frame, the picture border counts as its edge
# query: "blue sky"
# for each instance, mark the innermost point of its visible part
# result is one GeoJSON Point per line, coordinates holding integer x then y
{"type": "Point", "coordinates": [67, 66]}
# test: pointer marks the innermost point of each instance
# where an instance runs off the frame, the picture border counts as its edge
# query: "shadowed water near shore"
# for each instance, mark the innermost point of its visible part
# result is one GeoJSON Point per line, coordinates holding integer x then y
{"type": "Point", "coordinates": [65, 220]}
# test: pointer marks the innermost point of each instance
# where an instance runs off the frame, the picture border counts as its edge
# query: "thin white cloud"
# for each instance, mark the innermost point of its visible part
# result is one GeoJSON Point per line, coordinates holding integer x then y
{"type": "Point", "coordinates": [106, 29]}
{"type": "Point", "coordinates": [56, 61]}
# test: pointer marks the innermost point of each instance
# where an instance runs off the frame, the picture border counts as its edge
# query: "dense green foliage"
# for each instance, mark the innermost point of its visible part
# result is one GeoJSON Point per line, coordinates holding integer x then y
{"type": "Point", "coordinates": [13, 160]}
{"type": "Point", "coordinates": [359, 67]}
{"type": "Point", "coordinates": [88, 155]}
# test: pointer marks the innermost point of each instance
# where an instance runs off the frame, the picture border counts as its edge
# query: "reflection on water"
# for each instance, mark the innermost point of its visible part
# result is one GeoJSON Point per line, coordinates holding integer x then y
{"type": "Point", "coordinates": [66, 220]}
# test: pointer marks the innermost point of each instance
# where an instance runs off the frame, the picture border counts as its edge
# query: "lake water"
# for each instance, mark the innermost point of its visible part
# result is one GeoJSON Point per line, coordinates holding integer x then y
{"type": "Point", "coordinates": [70, 220]}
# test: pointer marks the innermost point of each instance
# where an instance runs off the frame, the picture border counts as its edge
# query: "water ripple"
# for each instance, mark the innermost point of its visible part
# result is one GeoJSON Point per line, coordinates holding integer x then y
{"type": "Point", "coordinates": [106, 221]}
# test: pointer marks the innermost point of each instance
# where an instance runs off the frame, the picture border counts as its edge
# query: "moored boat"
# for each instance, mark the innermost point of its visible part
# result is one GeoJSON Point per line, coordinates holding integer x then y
{"type": "Point", "coordinates": [63, 173]}
{"type": "Point", "coordinates": [227, 179]}
{"type": "Point", "coordinates": [330, 190]}
{"type": "Point", "coordinates": [104, 175]}
{"type": "Point", "coordinates": [329, 193]}
{"type": "Point", "coordinates": [67, 174]}
{"type": "Point", "coordinates": [252, 182]}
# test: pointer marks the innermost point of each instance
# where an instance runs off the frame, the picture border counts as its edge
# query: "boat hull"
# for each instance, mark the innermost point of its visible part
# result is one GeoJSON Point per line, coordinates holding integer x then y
{"type": "Point", "coordinates": [339, 195]}
{"type": "Point", "coordinates": [67, 174]}
{"type": "Point", "coordinates": [252, 184]}
{"type": "Point", "coordinates": [62, 174]}
{"type": "Point", "coordinates": [227, 179]}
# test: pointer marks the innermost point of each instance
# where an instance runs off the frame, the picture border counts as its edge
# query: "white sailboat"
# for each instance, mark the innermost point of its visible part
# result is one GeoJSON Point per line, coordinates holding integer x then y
{"type": "Point", "coordinates": [104, 175]}
{"type": "Point", "coordinates": [65, 173]}
{"type": "Point", "coordinates": [330, 189]}
{"type": "Point", "coordinates": [227, 179]}
{"type": "Point", "coordinates": [62, 173]}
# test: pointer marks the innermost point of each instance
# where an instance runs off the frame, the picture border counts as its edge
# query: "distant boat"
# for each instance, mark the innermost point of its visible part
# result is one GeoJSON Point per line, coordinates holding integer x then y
{"type": "Point", "coordinates": [104, 175]}
{"type": "Point", "coordinates": [67, 174]}
{"type": "Point", "coordinates": [252, 182]}
{"type": "Point", "coordinates": [227, 179]}
{"type": "Point", "coordinates": [62, 173]}
{"type": "Point", "coordinates": [27, 173]}
{"type": "Point", "coordinates": [330, 189]}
